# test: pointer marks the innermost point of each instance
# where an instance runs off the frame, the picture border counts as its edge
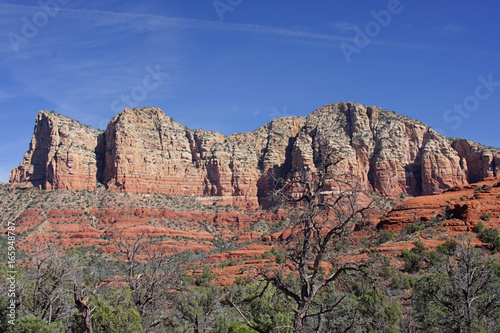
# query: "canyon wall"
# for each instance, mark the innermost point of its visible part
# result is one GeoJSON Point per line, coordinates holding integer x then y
{"type": "Point", "coordinates": [145, 151]}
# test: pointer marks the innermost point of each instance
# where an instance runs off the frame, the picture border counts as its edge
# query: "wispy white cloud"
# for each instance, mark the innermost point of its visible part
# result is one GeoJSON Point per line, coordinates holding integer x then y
{"type": "Point", "coordinates": [344, 26]}
{"type": "Point", "coordinates": [74, 66]}
{"type": "Point", "coordinates": [151, 22]}
{"type": "Point", "coordinates": [108, 75]}
{"type": "Point", "coordinates": [449, 29]}
{"type": "Point", "coordinates": [121, 21]}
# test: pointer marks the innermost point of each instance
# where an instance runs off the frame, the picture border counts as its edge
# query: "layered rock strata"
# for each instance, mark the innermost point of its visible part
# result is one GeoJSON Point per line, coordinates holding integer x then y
{"type": "Point", "coordinates": [62, 155]}
{"type": "Point", "coordinates": [145, 151]}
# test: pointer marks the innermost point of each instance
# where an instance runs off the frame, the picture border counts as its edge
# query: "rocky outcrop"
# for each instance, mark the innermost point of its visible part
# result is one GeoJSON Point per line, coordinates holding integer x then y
{"type": "Point", "coordinates": [148, 152]}
{"type": "Point", "coordinates": [62, 155]}
{"type": "Point", "coordinates": [145, 151]}
{"type": "Point", "coordinates": [458, 209]}
{"type": "Point", "coordinates": [479, 161]}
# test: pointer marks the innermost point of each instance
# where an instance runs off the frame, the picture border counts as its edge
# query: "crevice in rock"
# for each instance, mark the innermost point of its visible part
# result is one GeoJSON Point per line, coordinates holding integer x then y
{"type": "Point", "coordinates": [349, 122]}
{"type": "Point", "coordinates": [474, 172]}
{"type": "Point", "coordinates": [373, 156]}
{"type": "Point", "coordinates": [266, 183]}
{"type": "Point", "coordinates": [260, 162]}
{"type": "Point", "coordinates": [371, 171]}
{"type": "Point", "coordinates": [40, 153]}
{"type": "Point", "coordinates": [157, 124]}
{"type": "Point", "coordinates": [213, 176]}
{"type": "Point", "coordinates": [413, 175]}
{"type": "Point", "coordinates": [100, 157]}
{"type": "Point", "coordinates": [193, 147]}
{"type": "Point", "coordinates": [286, 167]}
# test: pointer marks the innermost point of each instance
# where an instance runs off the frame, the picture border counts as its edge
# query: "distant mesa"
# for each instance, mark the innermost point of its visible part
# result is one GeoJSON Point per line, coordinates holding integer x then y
{"type": "Point", "coordinates": [145, 151]}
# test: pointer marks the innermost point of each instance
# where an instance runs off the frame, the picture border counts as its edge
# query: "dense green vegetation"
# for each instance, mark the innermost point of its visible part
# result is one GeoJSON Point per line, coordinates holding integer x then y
{"type": "Point", "coordinates": [453, 289]}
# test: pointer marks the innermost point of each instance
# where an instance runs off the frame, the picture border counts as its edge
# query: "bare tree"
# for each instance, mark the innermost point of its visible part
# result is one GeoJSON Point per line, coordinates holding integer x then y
{"type": "Point", "coordinates": [151, 273]}
{"type": "Point", "coordinates": [49, 273]}
{"type": "Point", "coordinates": [82, 304]}
{"type": "Point", "coordinates": [327, 208]}
{"type": "Point", "coordinates": [461, 295]}
{"type": "Point", "coordinates": [85, 286]}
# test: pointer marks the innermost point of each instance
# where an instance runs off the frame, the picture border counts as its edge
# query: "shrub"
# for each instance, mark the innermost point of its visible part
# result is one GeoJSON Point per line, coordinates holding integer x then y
{"type": "Point", "coordinates": [478, 189]}
{"type": "Point", "coordinates": [266, 255]}
{"type": "Point", "coordinates": [414, 227]}
{"type": "Point", "coordinates": [412, 261]}
{"type": "Point", "coordinates": [485, 217]}
{"type": "Point", "coordinates": [419, 247]}
{"type": "Point", "coordinates": [435, 221]}
{"type": "Point", "coordinates": [366, 243]}
{"type": "Point", "coordinates": [240, 281]}
{"type": "Point", "coordinates": [385, 236]}
{"type": "Point", "coordinates": [479, 227]}
{"type": "Point", "coordinates": [401, 281]}
{"type": "Point", "coordinates": [434, 258]}
{"type": "Point", "coordinates": [238, 327]}
{"type": "Point", "coordinates": [280, 258]}
{"type": "Point", "coordinates": [115, 312]}
{"type": "Point", "coordinates": [443, 296]}
{"type": "Point", "coordinates": [30, 324]}
{"type": "Point", "coordinates": [205, 278]}
{"type": "Point", "coordinates": [491, 236]}
{"type": "Point", "coordinates": [448, 248]}
{"type": "Point", "coordinates": [386, 314]}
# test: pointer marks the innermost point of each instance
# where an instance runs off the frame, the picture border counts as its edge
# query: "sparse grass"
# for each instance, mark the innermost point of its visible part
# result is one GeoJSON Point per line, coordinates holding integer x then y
{"type": "Point", "coordinates": [427, 227]}
{"type": "Point", "coordinates": [485, 217]}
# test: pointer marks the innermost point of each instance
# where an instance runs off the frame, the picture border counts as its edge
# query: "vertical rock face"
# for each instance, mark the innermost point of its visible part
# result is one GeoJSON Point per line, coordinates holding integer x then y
{"type": "Point", "coordinates": [387, 152]}
{"type": "Point", "coordinates": [61, 155]}
{"type": "Point", "coordinates": [478, 161]}
{"type": "Point", "coordinates": [144, 150]}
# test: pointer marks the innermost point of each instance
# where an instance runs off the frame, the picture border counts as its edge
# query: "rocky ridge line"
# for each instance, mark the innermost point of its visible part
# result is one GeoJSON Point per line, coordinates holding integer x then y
{"type": "Point", "coordinates": [145, 151]}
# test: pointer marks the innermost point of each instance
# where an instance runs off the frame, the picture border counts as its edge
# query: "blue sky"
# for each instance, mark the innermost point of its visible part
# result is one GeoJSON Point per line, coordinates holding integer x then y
{"type": "Point", "coordinates": [233, 65]}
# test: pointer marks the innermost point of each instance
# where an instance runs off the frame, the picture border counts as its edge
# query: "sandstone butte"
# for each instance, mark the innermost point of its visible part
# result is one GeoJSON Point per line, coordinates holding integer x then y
{"type": "Point", "coordinates": [145, 151]}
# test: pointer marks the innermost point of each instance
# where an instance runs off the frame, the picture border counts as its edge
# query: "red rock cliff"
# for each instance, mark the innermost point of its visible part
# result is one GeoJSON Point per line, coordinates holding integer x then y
{"type": "Point", "coordinates": [143, 150]}
{"type": "Point", "coordinates": [61, 156]}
